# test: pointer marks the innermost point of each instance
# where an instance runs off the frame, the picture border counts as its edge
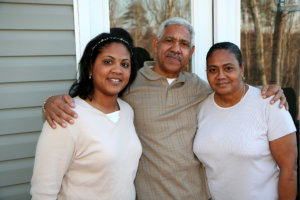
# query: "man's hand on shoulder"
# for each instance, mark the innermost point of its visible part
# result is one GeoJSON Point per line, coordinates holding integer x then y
{"type": "Point", "coordinates": [58, 109]}
{"type": "Point", "coordinates": [273, 89]}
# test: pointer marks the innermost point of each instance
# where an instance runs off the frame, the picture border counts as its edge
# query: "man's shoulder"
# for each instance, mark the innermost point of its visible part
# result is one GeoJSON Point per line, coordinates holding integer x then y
{"type": "Point", "coordinates": [124, 105]}
{"type": "Point", "coordinates": [194, 79]}
{"type": "Point", "coordinates": [191, 76]}
{"type": "Point", "coordinates": [255, 96]}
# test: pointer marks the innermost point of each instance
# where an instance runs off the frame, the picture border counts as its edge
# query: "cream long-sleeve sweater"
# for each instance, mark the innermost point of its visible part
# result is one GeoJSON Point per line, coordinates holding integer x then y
{"type": "Point", "coordinates": [92, 159]}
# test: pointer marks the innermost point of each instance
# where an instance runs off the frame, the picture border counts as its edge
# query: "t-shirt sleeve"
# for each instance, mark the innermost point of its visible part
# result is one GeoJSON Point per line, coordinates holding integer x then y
{"type": "Point", "coordinates": [54, 152]}
{"type": "Point", "coordinates": [280, 122]}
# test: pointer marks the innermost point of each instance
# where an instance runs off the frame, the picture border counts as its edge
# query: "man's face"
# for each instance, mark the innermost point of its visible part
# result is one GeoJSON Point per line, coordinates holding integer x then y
{"type": "Point", "coordinates": [173, 51]}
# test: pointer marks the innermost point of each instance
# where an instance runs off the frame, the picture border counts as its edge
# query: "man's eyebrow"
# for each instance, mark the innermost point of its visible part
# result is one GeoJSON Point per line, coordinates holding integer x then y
{"type": "Point", "coordinates": [170, 37]}
{"type": "Point", "coordinates": [173, 38]}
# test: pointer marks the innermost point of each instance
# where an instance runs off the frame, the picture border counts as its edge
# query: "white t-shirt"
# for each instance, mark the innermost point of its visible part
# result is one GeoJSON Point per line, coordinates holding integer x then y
{"type": "Point", "coordinates": [171, 80]}
{"type": "Point", "coordinates": [114, 116]}
{"type": "Point", "coordinates": [233, 145]}
{"type": "Point", "coordinates": [94, 158]}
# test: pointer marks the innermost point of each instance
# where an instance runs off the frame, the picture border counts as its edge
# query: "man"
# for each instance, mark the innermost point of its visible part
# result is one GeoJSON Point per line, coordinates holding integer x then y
{"type": "Point", "coordinates": [165, 102]}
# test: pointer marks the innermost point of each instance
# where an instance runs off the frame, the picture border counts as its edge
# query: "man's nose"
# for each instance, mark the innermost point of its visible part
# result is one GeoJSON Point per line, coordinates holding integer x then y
{"type": "Point", "coordinates": [176, 47]}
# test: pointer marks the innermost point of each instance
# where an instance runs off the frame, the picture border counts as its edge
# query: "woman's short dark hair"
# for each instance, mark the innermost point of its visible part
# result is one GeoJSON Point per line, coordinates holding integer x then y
{"type": "Point", "coordinates": [83, 87]}
{"type": "Point", "coordinates": [226, 46]}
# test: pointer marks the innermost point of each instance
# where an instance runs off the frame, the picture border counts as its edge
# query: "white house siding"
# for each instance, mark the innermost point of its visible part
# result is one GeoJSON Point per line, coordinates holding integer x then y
{"type": "Point", "coordinates": [37, 59]}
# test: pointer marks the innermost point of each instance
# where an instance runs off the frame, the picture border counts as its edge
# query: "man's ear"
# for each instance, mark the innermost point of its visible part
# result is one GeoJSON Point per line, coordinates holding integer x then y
{"type": "Point", "coordinates": [155, 44]}
{"type": "Point", "coordinates": [192, 51]}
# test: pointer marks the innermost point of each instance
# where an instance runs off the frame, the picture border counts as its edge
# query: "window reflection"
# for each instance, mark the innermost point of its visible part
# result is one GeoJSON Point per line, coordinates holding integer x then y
{"type": "Point", "coordinates": [141, 17]}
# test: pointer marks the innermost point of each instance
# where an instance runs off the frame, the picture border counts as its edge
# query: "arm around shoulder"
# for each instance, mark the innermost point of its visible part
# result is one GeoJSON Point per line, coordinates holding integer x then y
{"type": "Point", "coordinates": [58, 109]}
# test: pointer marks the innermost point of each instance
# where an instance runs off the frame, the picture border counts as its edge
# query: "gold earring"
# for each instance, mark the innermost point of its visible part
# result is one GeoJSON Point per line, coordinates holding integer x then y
{"type": "Point", "coordinates": [243, 78]}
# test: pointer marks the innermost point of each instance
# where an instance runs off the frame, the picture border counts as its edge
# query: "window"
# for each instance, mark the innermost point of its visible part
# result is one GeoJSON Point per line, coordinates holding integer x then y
{"type": "Point", "coordinates": [270, 44]}
{"type": "Point", "coordinates": [141, 17]}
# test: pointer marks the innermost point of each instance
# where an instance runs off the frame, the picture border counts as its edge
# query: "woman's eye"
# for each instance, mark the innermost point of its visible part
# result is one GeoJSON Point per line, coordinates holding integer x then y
{"type": "Point", "coordinates": [126, 65]}
{"type": "Point", "coordinates": [211, 70]}
{"type": "Point", "coordinates": [108, 62]}
{"type": "Point", "coordinates": [229, 68]}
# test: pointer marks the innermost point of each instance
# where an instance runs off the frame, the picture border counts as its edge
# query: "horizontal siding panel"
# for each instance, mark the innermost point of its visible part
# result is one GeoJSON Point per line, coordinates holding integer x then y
{"type": "Point", "coordinates": [59, 2]}
{"type": "Point", "coordinates": [37, 59]}
{"type": "Point", "coordinates": [36, 17]}
{"type": "Point", "coordinates": [16, 192]}
{"type": "Point", "coordinates": [18, 146]}
{"type": "Point", "coordinates": [16, 171]}
{"type": "Point", "coordinates": [18, 69]}
{"type": "Point", "coordinates": [21, 120]}
{"type": "Point", "coordinates": [30, 94]}
{"type": "Point", "coordinates": [37, 43]}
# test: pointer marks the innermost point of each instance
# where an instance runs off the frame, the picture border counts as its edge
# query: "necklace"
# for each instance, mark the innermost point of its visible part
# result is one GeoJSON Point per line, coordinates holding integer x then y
{"type": "Point", "coordinates": [103, 109]}
{"type": "Point", "coordinates": [244, 89]}
{"type": "Point", "coordinates": [244, 92]}
{"type": "Point", "coordinates": [223, 104]}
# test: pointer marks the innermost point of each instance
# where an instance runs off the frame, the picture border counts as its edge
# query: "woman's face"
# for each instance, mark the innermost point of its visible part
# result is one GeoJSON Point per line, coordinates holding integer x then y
{"type": "Point", "coordinates": [224, 73]}
{"type": "Point", "coordinates": [111, 70]}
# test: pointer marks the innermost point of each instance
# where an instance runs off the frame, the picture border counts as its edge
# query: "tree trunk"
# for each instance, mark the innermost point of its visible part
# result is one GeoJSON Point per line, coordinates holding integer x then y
{"type": "Point", "coordinates": [258, 41]}
{"type": "Point", "coordinates": [170, 8]}
{"type": "Point", "coordinates": [248, 53]}
{"type": "Point", "coordinates": [280, 21]}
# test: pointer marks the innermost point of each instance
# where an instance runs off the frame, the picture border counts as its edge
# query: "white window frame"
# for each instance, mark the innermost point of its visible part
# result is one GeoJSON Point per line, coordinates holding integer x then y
{"type": "Point", "coordinates": [213, 21]}
{"type": "Point", "coordinates": [91, 17]}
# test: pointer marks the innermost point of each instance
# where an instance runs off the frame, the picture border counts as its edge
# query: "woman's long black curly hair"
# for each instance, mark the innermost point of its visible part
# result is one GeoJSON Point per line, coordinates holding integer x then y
{"type": "Point", "coordinates": [83, 87]}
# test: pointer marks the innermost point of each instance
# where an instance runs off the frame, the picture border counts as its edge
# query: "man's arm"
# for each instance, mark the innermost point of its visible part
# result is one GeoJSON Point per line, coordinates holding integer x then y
{"type": "Point", "coordinates": [58, 109]}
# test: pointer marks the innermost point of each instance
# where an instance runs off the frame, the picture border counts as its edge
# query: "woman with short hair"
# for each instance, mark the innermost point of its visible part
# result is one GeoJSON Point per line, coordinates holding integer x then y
{"type": "Point", "coordinates": [248, 147]}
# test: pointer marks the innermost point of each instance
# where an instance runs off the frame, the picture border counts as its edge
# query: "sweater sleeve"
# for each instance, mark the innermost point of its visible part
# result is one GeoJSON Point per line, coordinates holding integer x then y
{"type": "Point", "coordinates": [54, 153]}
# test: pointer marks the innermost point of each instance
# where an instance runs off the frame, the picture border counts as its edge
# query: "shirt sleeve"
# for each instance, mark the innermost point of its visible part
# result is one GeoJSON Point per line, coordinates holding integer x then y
{"type": "Point", "coordinates": [280, 122]}
{"type": "Point", "coordinates": [54, 152]}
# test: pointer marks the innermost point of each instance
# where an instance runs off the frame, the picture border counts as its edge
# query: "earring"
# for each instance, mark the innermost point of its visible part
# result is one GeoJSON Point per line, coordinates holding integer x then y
{"type": "Point", "coordinates": [243, 78]}
{"type": "Point", "coordinates": [90, 76]}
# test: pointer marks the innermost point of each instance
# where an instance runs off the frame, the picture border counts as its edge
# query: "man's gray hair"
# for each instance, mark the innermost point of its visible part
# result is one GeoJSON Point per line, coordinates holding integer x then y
{"type": "Point", "coordinates": [176, 21]}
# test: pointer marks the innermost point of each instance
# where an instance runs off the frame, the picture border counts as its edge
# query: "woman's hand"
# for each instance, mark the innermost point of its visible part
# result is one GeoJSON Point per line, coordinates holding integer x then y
{"type": "Point", "coordinates": [58, 109]}
{"type": "Point", "coordinates": [269, 90]}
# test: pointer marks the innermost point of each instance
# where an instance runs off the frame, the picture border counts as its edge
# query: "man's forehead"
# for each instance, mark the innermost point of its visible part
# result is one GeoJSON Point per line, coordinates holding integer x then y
{"type": "Point", "coordinates": [178, 32]}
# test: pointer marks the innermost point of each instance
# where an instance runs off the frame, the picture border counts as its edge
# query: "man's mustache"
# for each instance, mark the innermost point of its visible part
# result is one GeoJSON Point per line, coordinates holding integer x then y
{"type": "Point", "coordinates": [176, 55]}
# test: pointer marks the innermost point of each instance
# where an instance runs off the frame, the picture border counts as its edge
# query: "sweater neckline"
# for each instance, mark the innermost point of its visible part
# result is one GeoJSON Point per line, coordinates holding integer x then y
{"type": "Point", "coordinates": [87, 105]}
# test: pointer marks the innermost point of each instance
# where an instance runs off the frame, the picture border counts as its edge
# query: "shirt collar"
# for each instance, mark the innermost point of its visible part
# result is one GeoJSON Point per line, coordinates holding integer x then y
{"type": "Point", "coordinates": [152, 75]}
